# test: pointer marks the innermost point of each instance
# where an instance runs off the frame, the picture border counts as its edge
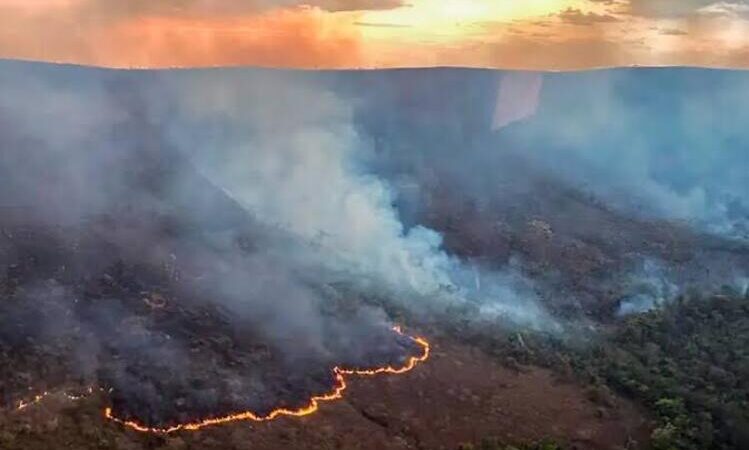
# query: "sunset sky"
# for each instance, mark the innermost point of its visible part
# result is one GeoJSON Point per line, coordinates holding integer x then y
{"type": "Point", "coordinates": [533, 34]}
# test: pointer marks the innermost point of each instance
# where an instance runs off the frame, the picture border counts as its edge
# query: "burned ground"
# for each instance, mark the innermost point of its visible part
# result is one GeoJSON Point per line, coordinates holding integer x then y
{"type": "Point", "coordinates": [461, 396]}
{"type": "Point", "coordinates": [74, 313]}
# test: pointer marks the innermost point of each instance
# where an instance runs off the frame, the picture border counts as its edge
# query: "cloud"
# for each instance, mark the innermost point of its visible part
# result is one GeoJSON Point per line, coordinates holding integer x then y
{"type": "Point", "coordinates": [138, 33]}
{"type": "Point", "coordinates": [729, 9]}
{"type": "Point", "coordinates": [100, 9]}
{"type": "Point", "coordinates": [284, 38]}
{"type": "Point", "coordinates": [567, 51]}
{"type": "Point", "coordinates": [673, 32]}
{"type": "Point", "coordinates": [575, 16]}
{"type": "Point", "coordinates": [334, 34]}
{"type": "Point", "coordinates": [380, 25]}
{"type": "Point", "coordinates": [355, 5]}
{"type": "Point", "coordinates": [673, 8]}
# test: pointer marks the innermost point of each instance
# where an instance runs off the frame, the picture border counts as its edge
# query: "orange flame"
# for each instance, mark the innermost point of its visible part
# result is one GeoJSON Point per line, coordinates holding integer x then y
{"type": "Point", "coordinates": [313, 406]}
{"type": "Point", "coordinates": [23, 404]}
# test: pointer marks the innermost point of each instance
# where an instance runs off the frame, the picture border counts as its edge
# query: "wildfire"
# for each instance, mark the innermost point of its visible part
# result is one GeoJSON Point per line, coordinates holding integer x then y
{"type": "Point", "coordinates": [313, 405]}
{"type": "Point", "coordinates": [23, 404]}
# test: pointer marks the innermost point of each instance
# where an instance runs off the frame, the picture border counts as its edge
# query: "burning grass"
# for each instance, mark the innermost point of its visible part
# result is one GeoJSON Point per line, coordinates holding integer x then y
{"type": "Point", "coordinates": [335, 393]}
{"type": "Point", "coordinates": [177, 356]}
{"type": "Point", "coordinates": [314, 403]}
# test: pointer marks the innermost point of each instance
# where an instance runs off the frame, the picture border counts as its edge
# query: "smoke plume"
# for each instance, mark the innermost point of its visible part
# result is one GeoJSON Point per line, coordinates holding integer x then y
{"type": "Point", "coordinates": [214, 236]}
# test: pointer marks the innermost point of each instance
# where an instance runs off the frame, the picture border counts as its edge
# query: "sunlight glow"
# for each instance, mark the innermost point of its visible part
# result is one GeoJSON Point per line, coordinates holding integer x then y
{"type": "Point", "coordinates": [447, 19]}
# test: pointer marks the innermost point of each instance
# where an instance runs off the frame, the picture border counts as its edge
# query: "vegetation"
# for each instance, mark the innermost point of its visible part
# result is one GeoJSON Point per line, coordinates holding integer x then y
{"type": "Point", "coordinates": [689, 363]}
{"type": "Point", "coordinates": [494, 444]}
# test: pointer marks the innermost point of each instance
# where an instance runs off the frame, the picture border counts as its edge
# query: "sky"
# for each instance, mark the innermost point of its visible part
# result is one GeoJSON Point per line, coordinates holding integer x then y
{"type": "Point", "coordinates": [333, 34]}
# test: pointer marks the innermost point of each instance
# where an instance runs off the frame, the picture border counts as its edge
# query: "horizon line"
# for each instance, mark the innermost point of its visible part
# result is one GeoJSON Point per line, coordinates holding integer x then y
{"type": "Point", "coordinates": [362, 69]}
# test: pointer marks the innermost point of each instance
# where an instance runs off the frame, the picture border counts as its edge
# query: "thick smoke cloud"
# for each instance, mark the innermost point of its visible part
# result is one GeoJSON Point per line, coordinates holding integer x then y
{"type": "Point", "coordinates": [105, 224]}
{"type": "Point", "coordinates": [75, 150]}
{"type": "Point", "coordinates": [285, 147]}
{"type": "Point", "coordinates": [132, 198]}
{"type": "Point", "coordinates": [288, 153]}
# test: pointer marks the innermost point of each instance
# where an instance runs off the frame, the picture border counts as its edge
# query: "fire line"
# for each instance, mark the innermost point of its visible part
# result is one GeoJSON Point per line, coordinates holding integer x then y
{"type": "Point", "coordinates": [312, 407]}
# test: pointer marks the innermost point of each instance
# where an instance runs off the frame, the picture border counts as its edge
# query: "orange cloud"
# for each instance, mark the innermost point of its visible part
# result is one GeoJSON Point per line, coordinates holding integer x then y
{"type": "Point", "coordinates": [304, 38]}
{"type": "Point", "coordinates": [535, 34]}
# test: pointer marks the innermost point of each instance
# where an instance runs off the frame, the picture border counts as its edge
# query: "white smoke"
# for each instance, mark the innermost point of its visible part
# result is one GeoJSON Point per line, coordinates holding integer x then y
{"type": "Point", "coordinates": [286, 150]}
{"type": "Point", "coordinates": [648, 288]}
{"type": "Point", "coordinates": [646, 146]}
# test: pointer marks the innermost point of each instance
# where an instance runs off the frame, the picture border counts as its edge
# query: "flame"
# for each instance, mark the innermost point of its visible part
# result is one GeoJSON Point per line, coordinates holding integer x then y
{"type": "Point", "coordinates": [312, 406]}
{"type": "Point", "coordinates": [23, 404]}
